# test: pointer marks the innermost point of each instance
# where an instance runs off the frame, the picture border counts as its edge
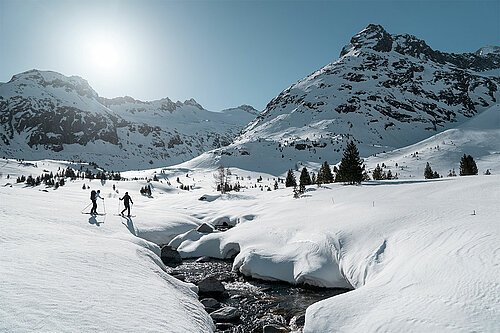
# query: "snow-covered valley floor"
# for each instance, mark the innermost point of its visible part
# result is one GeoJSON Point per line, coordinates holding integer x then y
{"type": "Point", "coordinates": [415, 254]}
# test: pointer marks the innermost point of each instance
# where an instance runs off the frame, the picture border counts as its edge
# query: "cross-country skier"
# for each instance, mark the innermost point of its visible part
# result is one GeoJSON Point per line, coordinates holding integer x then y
{"type": "Point", "coordinates": [126, 200]}
{"type": "Point", "coordinates": [93, 197]}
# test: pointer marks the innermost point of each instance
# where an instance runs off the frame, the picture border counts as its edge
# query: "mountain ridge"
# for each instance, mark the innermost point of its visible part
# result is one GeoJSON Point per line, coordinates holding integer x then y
{"type": "Point", "coordinates": [49, 115]}
{"type": "Point", "coordinates": [384, 92]}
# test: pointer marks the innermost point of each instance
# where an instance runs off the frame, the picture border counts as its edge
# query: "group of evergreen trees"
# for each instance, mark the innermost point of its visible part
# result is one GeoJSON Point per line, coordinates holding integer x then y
{"type": "Point", "coordinates": [379, 174]}
{"type": "Point", "coordinates": [146, 190]}
{"type": "Point", "coordinates": [57, 179]}
{"type": "Point", "coordinates": [351, 171]}
{"type": "Point", "coordinates": [429, 174]}
{"type": "Point", "coordinates": [49, 179]}
{"type": "Point", "coordinates": [468, 167]}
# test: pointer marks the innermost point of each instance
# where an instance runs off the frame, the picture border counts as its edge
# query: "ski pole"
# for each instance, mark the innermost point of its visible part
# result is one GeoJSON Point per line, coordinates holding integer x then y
{"type": "Point", "coordinates": [86, 207]}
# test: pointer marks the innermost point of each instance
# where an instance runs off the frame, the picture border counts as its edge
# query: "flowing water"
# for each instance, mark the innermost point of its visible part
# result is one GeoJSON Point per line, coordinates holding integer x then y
{"type": "Point", "coordinates": [259, 302]}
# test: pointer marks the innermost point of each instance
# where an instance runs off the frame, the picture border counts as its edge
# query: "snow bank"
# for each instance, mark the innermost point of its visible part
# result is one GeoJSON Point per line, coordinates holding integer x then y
{"type": "Point", "coordinates": [64, 271]}
{"type": "Point", "coordinates": [413, 250]}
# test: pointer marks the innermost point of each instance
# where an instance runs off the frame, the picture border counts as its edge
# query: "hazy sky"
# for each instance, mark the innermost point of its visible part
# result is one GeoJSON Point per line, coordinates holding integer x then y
{"type": "Point", "coordinates": [222, 53]}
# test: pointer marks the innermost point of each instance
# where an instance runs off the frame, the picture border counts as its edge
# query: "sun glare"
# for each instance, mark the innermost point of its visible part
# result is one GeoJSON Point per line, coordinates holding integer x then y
{"type": "Point", "coordinates": [106, 55]}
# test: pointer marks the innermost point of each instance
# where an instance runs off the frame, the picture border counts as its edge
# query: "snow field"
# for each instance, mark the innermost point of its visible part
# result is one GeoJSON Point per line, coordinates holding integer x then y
{"type": "Point", "coordinates": [416, 257]}
{"type": "Point", "coordinates": [64, 271]}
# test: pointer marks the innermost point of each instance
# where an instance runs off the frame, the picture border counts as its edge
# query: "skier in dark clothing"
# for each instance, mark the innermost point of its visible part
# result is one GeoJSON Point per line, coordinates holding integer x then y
{"type": "Point", "coordinates": [93, 197]}
{"type": "Point", "coordinates": [126, 200]}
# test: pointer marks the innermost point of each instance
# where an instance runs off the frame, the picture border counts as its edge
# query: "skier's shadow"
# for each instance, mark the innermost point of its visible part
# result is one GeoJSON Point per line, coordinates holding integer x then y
{"type": "Point", "coordinates": [129, 225]}
{"type": "Point", "coordinates": [93, 220]}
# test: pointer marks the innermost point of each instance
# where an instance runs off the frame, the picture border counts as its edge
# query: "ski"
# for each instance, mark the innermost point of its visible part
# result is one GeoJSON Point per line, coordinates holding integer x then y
{"type": "Point", "coordinates": [124, 215]}
{"type": "Point", "coordinates": [94, 214]}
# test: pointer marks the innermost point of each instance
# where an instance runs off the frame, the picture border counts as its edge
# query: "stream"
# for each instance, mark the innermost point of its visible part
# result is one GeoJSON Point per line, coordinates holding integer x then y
{"type": "Point", "coordinates": [259, 302]}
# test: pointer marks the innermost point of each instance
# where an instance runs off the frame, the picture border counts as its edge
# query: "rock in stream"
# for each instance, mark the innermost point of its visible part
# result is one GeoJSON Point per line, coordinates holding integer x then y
{"type": "Point", "coordinates": [262, 306]}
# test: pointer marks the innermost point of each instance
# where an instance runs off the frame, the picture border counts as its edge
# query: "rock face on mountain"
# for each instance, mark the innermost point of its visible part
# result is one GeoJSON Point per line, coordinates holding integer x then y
{"type": "Point", "coordinates": [48, 115]}
{"type": "Point", "coordinates": [384, 92]}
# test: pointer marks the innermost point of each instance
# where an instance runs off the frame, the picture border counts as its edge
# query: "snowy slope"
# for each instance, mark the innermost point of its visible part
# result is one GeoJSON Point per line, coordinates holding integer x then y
{"type": "Point", "coordinates": [64, 271]}
{"type": "Point", "coordinates": [478, 137]}
{"type": "Point", "coordinates": [384, 92]}
{"type": "Point", "coordinates": [417, 257]}
{"type": "Point", "coordinates": [45, 114]}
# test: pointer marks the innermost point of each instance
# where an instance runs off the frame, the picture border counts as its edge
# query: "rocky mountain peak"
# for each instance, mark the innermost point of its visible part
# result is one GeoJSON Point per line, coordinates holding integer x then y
{"type": "Point", "coordinates": [488, 50]}
{"type": "Point", "coordinates": [50, 79]}
{"type": "Point", "coordinates": [373, 36]}
{"type": "Point", "coordinates": [247, 108]}
{"type": "Point", "coordinates": [376, 38]}
{"type": "Point", "coordinates": [194, 103]}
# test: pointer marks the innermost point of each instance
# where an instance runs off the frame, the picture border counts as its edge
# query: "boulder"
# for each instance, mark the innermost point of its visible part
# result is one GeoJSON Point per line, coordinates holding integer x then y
{"type": "Point", "coordinates": [169, 256]}
{"type": "Point", "coordinates": [273, 329]}
{"type": "Point", "coordinates": [224, 327]}
{"type": "Point", "coordinates": [205, 228]}
{"type": "Point", "coordinates": [301, 320]}
{"type": "Point", "coordinates": [210, 303]}
{"type": "Point", "coordinates": [211, 287]}
{"type": "Point", "coordinates": [227, 314]}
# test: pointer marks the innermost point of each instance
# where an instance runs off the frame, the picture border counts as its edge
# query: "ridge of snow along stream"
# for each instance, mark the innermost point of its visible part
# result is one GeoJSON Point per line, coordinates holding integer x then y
{"type": "Point", "coordinates": [414, 246]}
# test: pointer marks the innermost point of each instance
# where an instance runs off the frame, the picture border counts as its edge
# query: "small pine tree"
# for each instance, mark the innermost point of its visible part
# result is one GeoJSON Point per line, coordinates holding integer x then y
{"type": "Point", "coordinates": [296, 192]}
{"type": "Point", "coordinates": [276, 186]}
{"type": "Point", "coordinates": [389, 175]}
{"type": "Point", "coordinates": [351, 166]}
{"type": "Point", "coordinates": [313, 178]}
{"type": "Point", "coordinates": [290, 179]}
{"type": "Point", "coordinates": [428, 173]}
{"type": "Point", "coordinates": [468, 166]}
{"type": "Point", "coordinates": [487, 172]}
{"type": "Point", "coordinates": [377, 173]}
{"type": "Point", "coordinates": [304, 179]}
{"type": "Point", "coordinates": [325, 175]}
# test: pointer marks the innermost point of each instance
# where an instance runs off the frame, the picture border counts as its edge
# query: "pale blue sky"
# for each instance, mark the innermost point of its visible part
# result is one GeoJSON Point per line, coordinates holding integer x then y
{"type": "Point", "coordinates": [222, 53]}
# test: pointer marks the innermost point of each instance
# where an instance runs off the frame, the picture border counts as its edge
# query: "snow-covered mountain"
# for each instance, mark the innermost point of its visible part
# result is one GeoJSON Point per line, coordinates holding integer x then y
{"type": "Point", "coordinates": [384, 92]}
{"type": "Point", "coordinates": [45, 114]}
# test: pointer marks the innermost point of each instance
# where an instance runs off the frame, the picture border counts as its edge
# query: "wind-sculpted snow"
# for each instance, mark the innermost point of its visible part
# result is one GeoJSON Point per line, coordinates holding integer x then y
{"type": "Point", "coordinates": [417, 256]}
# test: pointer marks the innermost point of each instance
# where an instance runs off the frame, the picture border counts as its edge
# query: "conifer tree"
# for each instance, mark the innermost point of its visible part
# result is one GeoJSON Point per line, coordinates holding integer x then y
{"type": "Point", "coordinates": [351, 166]}
{"type": "Point", "coordinates": [389, 175]}
{"type": "Point", "coordinates": [325, 175]}
{"type": "Point", "coordinates": [290, 179]}
{"type": "Point", "coordinates": [428, 173]}
{"type": "Point", "coordinates": [468, 166]}
{"type": "Point", "coordinates": [304, 179]}
{"type": "Point", "coordinates": [377, 173]}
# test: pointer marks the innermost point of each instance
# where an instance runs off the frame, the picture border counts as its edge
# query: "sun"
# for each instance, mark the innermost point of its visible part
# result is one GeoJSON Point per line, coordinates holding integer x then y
{"type": "Point", "coordinates": [105, 55]}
